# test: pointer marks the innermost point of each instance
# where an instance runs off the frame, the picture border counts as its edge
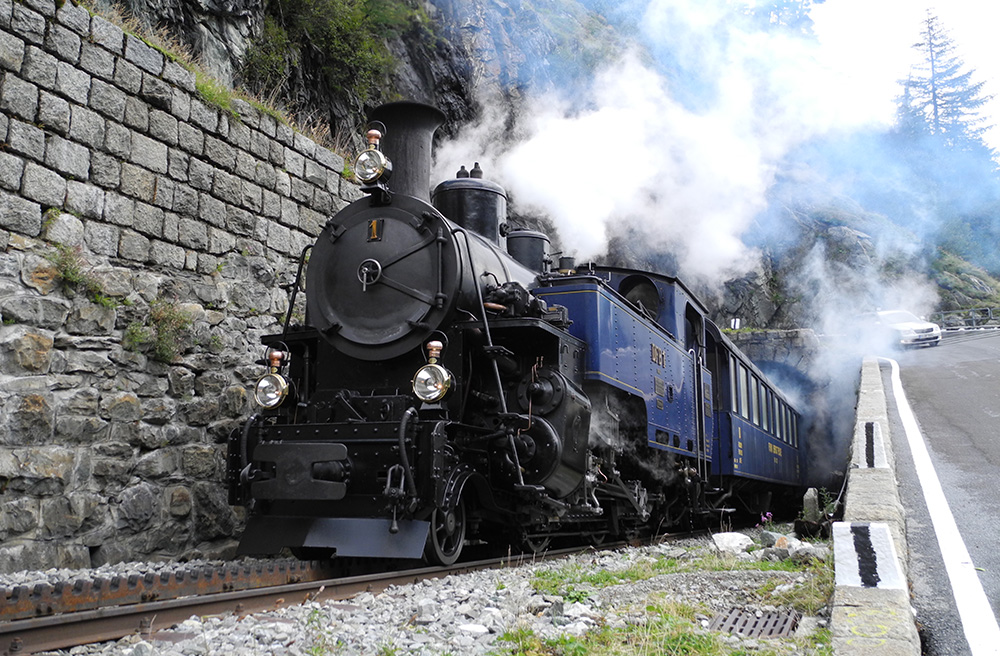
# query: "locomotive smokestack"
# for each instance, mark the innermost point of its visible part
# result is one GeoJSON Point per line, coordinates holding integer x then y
{"type": "Point", "coordinates": [407, 142]}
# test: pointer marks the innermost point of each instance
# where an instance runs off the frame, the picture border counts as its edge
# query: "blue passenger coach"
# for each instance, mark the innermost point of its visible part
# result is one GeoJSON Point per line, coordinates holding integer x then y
{"type": "Point", "coordinates": [656, 364]}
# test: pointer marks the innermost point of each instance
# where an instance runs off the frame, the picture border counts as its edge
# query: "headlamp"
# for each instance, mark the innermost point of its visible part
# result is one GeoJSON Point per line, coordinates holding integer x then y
{"type": "Point", "coordinates": [271, 390]}
{"type": "Point", "coordinates": [370, 165]}
{"type": "Point", "coordinates": [432, 382]}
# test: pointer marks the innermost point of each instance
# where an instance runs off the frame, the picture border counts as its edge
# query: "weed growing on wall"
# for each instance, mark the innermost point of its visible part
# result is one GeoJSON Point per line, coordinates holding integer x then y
{"type": "Point", "coordinates": [162, 334]}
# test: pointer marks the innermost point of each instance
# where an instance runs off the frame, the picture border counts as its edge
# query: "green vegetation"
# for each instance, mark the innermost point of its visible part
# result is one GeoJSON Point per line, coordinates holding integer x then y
{"type": "Point", "coordinates": [669, 627]}
{"type": "Point", "coordinates": [347, 35]}
{"type": "Point", "coordinates": [161, 334]}
{"type": "Point", "coordinates": [75, 275]}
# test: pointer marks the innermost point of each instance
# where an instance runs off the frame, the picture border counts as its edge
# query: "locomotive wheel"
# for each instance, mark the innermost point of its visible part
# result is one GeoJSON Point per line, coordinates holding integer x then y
{"type": "Point", "coordinates": [447, 535]}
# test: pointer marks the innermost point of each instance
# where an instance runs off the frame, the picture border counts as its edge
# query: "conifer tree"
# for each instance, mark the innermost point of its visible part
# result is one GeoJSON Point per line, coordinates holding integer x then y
{"type": "Point", "coordinates": [940, 93]}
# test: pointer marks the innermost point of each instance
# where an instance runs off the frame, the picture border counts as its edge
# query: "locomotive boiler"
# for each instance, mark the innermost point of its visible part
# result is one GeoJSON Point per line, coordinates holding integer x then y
{"type": "Point", "coordinates": [449, 385]}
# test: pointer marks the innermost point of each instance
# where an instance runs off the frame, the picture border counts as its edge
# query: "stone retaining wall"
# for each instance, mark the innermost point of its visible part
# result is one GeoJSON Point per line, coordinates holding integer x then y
{"type": "Point", "coordinates": [129, 207]}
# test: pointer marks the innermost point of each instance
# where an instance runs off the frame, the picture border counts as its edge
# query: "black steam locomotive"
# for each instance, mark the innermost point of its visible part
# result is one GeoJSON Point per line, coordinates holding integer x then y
{"type": "Point", "coordinates": [451, 386]}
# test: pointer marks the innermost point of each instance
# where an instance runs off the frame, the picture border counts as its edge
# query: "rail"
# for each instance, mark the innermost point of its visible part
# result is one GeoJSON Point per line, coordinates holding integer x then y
{"type": "Point", "coordinates": [49, 617]}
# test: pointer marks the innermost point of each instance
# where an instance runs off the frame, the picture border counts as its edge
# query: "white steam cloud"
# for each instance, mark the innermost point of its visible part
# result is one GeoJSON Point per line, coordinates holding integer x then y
{"type": "Point", "coordinates": [677, 141]}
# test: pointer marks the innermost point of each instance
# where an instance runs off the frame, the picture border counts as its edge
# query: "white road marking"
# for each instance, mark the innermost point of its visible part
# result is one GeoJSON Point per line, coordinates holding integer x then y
{"type": "Point", "coordinates": [978, 620]}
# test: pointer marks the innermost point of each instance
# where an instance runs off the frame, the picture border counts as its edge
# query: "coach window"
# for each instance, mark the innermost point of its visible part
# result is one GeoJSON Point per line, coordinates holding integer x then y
{"type": "Point", "coordinates": [734, 385]}
{"type": "Point", "coordinates": [781, 426]}
{"type": "Point", "coordinates": [795, 431]}
{"type": "Point", "coordinates": [784, 422]}
{"type": "Point", "coordinates": [744, 392]}
{"type": "Point", "coordinates": [755, 399]}
{"type": "Point", "coordinates": [765, 409]}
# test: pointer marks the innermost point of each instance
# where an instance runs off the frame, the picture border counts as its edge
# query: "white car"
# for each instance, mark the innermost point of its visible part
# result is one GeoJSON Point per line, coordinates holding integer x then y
{"type": "Point", "coordinates": [906, 329]}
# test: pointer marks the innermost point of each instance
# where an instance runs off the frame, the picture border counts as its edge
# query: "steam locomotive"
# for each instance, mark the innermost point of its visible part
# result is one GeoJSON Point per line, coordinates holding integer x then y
{"type": "Point", "coordinates": [451, 386]}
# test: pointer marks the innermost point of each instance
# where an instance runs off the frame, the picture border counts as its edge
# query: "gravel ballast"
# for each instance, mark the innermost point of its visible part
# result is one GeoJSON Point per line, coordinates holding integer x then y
{"type": "Point", "coordinates": [470, 613]}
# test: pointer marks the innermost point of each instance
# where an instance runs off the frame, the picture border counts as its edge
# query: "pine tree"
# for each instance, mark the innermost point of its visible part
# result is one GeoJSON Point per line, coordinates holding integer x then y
{"type": "Point", "coordinates": [941, 93]}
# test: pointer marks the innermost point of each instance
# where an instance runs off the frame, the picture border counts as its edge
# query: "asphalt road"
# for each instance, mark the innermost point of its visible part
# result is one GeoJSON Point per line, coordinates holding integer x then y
{"type": "Point", "coordinates": [954, 391]}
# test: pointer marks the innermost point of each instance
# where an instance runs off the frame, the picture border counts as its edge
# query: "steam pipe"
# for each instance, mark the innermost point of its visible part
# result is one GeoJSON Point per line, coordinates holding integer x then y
{"type": "Point", "coordinates": [407, 143]}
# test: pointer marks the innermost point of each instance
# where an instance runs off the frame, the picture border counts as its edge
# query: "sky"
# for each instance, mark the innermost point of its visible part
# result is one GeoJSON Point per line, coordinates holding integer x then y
{"type": "Point", "coordinates": [870, 41]}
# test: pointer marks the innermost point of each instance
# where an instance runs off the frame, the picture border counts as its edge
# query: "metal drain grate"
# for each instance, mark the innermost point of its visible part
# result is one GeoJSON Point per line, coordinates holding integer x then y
{"type": "Point", "coordinates": [768, 625]}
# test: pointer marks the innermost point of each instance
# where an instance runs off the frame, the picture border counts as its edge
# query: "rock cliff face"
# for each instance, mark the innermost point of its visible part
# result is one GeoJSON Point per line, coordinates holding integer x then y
{"type": "Point", "coordinates": [217, 31]}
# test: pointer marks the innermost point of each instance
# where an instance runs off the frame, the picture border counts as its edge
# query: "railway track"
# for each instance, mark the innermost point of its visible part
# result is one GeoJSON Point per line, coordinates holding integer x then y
{"type": "Point", "coordinates": [59, 616]}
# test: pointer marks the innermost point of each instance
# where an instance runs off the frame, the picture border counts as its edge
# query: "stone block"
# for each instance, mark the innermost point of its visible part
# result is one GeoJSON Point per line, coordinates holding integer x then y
{"type": "Point", "coordinates": [40, 311]}
{"type": "Point", "coordinates": [165, 254]}
{"type": "Point", "coordinates": [74, 17]}
{"type": "Point", "coordinates": [108, 99]}
{"type": "Point", "coordinates": [204, 116]}
{"type": "Point", "coordinates": [133, 246]}
{"type": "Point", "coordinates": [19, 97]}
{"type": "Point", "coordinates": [201, 175]}
{"type": "Point", "coordinates": [11, 52]}
{"type": "Point", "coordinates": [180, 104]}
{"type": "Point", "coordinates": [39, 273]}
{"type": "Point", "coordinates": [315, 173]}
{"type": "Point", "coordinates": [66, 229]}
{"type": "Point", "coordinates": [138, 182]}
{"type": "Point", "coordinates": [185, 200]}
{"type": "Point", "coordinates": [138, 506]}
{"type": "Point", "coordinates": [105, 170]}
{"type": "Point", "coordinates": [11, 171]}
{"type": "Point", "coordinates": [44, 7]}
{"type": "Point", "coordinates": [239, 221]}
{"type": "Point", "coordinates": [107, 34]}
{"type": "Point", "coordinates": [87, 127]}
{"type": "Point", "coordinates": [29, 419]}
{"type": "Point", "coordinates": [39, 67]}
{"type": "Point", "coordinates": [304, 145]}
{"type": "Point", "coordinates": [91, 319]}
{"type": "Point", "coordinates": [117, 140]}
{"type": "Point", "coordinates": [179, 76]}
{"type": "Point", "coordinates": [227, 187]}
{"type": "Point", "coordinates": [148, 153]}
{"type": "Point", "coordinates": [177, 164]}
{"type": "Point", "coordinates": [156, 92]}
{"type": "Point", "coordinates": [201, 462]}
{"type": "Point", "coordinates": [43, 185]}
{"type": "Point", "coordinates": [251, 196]}
{"type": "Point", "coordinates": [19, 516]}
{"type": "Point", "coordinates": [214, 517]}
{"type": "Point", "coordinates": [162, 463]}
{"type": "Point", "coordinates": [53, 113]}
{"type": "Point", "coordinates": [25, 350]}
{"type": "Point", "coordinates": [68, 157]}
{"type": "Point", "coordinates": [118, 209]}
{"type": "Point", "coordinates": [212, 210]}
{"type": "Point", "coordinates": [145, 57]}
{"type": "Point", "coordinates": [97, 61]}
{"type": "Point", "coordinates": [27, 24]}
{"type": "Point", "coordinates": [163, 196]}
{"type": "Point", "coordinates": [148, 220]}
{"type": "Point", "coordinates": [101, 238]}
{"type": "Point", "coordinates": [220, 241]}
{"type": "Point", "coordinates": [294, 163]}
{"type": "Point", "coordinates": [72, 82]}
{"type": "Point", "coordinates": [270, 204]}
{"type": "Point", "coordinates": [163, 127]}
{"type": "Point", "coordinates": [192, 234]}
{"type": "Point", "coordinates": [63, 42]}
{"type": "Point", "coordinates": [191, 139]}
{"type": "Point", "coordinates": [220, 153]}
{"type": "Point", "coordinates": [128, 77]}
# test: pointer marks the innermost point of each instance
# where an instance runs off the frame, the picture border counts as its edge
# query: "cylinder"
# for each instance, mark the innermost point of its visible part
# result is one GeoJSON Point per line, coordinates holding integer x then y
{"type": "Point", "coordinates": [530, 248]}
{"type": "Point", "coordinates": [473, 203]}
